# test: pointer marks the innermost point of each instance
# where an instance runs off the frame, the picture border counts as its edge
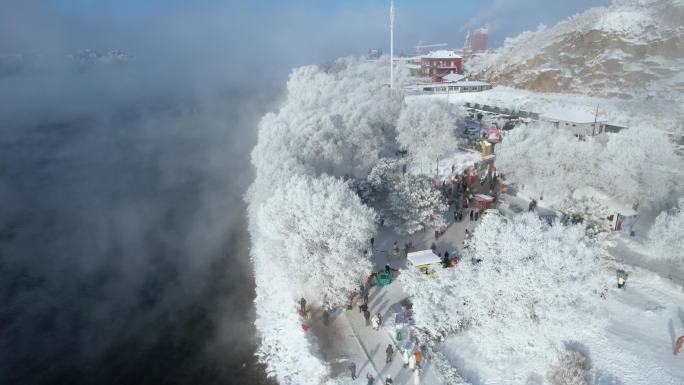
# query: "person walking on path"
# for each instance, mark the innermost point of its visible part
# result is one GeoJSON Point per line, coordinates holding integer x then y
{"type": "Point", "coordinates": [388, 381]}
{"type": "Point", "coordinates": [302, 305]}
{"type": "Point", "coordinates": [309, 312]}
{"type": "Point", "coordinates": [405, 358]}
{"type": "Point", "coordinates": [379, 319]}
{"type": "Point", "coordinates": [390, 352]}
{"type": "Point", "coordinates": [412, 362]}
{"type": "Point", "coordinates": [373, 243]}
{"type": "Point", "coordinates": [326, 317]}
{"type": "Point", "coordinates": [367, 316]}
{"type": "Point", "coordinates": [376, 322]}
{"type": "Point", "coordinates": [416, 377]}
{"type": "Point", "coordinates": [363, 307]}
{"type": "Point", "coordinates": [370, 378]}
{"type": "Point", "coordinates": [352, 369]}
{"type": "Point", "coordinates": [471, 215]}
{"type": "Point", "coordinates": [418, 357]}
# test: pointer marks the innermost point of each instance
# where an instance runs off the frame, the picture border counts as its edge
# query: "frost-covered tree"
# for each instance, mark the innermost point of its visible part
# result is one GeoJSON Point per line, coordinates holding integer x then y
{"type": "Point", "coordinates": [339, 120]}
{"type": "Point", "coordinates": [288, 352]}
{"type": "Point", "coordinates": [318, 230]}
{"type": "Point", "coordinates": [633, 166]}
{"type": "Point", "coordinates": [415, 204]}
{"type": "Point", "coordinates": [570, 368]}
{"type": "Point", "coordinates": [534, 286]}
{"type": "Point", "coordinates": [637, 166]}
{"type": "Point", "coordinates": [666, 237]}
{"type": "Point", "coordinates": [546, 158]}
{"type": "Point", "coordinates": [427, 130]}
{"type": "Point", "coordinates": [380, 180]}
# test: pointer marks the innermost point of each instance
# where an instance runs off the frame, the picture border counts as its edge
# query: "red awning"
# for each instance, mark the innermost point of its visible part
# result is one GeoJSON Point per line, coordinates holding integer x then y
{"type": "Point", "coordinates": [484, 198]}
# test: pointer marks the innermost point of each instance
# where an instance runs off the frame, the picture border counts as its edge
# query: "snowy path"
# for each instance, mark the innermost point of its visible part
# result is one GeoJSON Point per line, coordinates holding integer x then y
{"type": "Point", "coordinates": [348, 339]}
{"type": "Point", "coordinates": [624, 251]}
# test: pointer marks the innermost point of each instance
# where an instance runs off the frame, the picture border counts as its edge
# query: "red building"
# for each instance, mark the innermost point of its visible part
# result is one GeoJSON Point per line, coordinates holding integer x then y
{"type": "Point", "coordinates": [476, 42]}
{"type": "Point", "coordinates": [437, 64]}
{"type": "Point", "coordinates": [479, 39]}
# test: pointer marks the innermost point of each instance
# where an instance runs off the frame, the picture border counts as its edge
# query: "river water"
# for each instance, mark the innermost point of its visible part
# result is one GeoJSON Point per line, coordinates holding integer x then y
{"type": "Point", "coordinates": [124, 256]}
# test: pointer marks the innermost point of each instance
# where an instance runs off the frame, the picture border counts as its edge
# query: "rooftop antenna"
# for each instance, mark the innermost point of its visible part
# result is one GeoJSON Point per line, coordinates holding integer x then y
{"type": "Point", "coordinates": [391, 44]}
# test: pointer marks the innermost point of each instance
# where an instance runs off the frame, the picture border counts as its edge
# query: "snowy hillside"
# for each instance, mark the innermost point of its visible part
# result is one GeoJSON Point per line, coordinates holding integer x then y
{"type": "Point", "coordinates": [632, 49]}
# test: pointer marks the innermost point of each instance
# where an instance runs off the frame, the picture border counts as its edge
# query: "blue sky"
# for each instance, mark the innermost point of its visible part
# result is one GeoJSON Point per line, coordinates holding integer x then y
{"type": "Point", "coordinates": [443, 20]}
{"type": "Point", "coordinates": [246, 36]}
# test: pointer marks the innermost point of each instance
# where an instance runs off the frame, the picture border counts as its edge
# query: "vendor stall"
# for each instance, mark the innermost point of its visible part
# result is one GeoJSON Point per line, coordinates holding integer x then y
{"type": "Point", "coordinates": [483, 202]}
{"type": "Point", "coordinates": [424, 261]}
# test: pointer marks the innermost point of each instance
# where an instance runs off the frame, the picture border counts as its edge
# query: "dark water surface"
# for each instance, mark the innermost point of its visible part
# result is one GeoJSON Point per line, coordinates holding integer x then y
{"type": "Point", "coordinates": [124, 256]}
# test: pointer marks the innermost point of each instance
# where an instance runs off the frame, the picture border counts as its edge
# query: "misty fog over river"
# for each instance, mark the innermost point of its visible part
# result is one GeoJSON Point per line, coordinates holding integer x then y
{"type": "Point", "coordinates": [124, 249]}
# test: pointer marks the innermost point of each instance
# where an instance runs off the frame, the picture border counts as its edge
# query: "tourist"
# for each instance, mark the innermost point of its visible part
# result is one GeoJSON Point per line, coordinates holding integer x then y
{"type": "Point", "coordinates": [418, 357]}
{"type": "Point", "coordinates": [302, 306]}
{"type": "Point", "coordinates": [376, 322]}
{"type": "Point", "coordinates": [326, 317]}
{"type": "Point", "coordinates": [390, 352]}
{"type": "Point", "coordinates": [405, 358]}
{"type": "Point", "coordinates": [412, 362]}
{"type": "Point", "coordinates": [352, 369]}
{"type": "Point", "coordinates": [367, 316]}
{"type": "Point", "coordinates": [370, 378]}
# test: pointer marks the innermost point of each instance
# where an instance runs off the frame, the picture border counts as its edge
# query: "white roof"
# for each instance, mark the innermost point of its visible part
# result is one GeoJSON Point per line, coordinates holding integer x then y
{"type": "Point", "coordinates": [454, 77]}
{"type": "Point", "coordinates": [471, 83]}
{"type": "Point", "coordinates": [442, 54]}
{"type": "Point", "coordinates": [568, 114]}
{"type": "Point", "coordinates": [423, 257]}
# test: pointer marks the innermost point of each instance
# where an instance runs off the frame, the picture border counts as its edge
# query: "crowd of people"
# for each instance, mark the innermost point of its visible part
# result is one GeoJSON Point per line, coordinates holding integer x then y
{"type": "Point", "coordinates": [459, 193]}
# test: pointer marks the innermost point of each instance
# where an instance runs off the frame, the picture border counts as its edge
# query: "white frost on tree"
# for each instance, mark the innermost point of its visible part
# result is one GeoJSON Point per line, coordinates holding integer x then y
{"type": "Point", "coordinates": [633, 166]}
{"type": "Point", "coordinates": [308, 231]}
{"type": "Point", "coordinates": [427, 130]}
{"type": "Point", "coordinates": [534, 286]}
{"type": "Point", "coordinates": [666, 237]}
{"type": "Point", "coordinates": [339, 120]}
{"type": "Point", "coordinates": [415, 204]}
{"type": "Point", "coordinates": [289, 353]}
{"type": "Point", "coordinates": [318, 230]}
{"type": "Point", "coordinates": [639, 166]}
{"type": "Point", "coordinates": [570, 368]}
{"type": "Point", "coordinates": [380, 180]}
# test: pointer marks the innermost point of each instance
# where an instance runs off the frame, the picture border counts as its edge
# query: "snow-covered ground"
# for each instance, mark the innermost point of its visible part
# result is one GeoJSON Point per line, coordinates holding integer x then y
{"type": "Point", "coordinates": [567, 106]}
{"type": "Point", "coordinates": [636, 346]}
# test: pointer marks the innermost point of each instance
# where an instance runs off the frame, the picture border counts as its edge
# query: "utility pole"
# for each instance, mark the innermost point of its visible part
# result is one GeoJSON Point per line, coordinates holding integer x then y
{"type": "Point", "coordinates": [391, 44]}
{"type": "Point", "coordinates": [593, 129]}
